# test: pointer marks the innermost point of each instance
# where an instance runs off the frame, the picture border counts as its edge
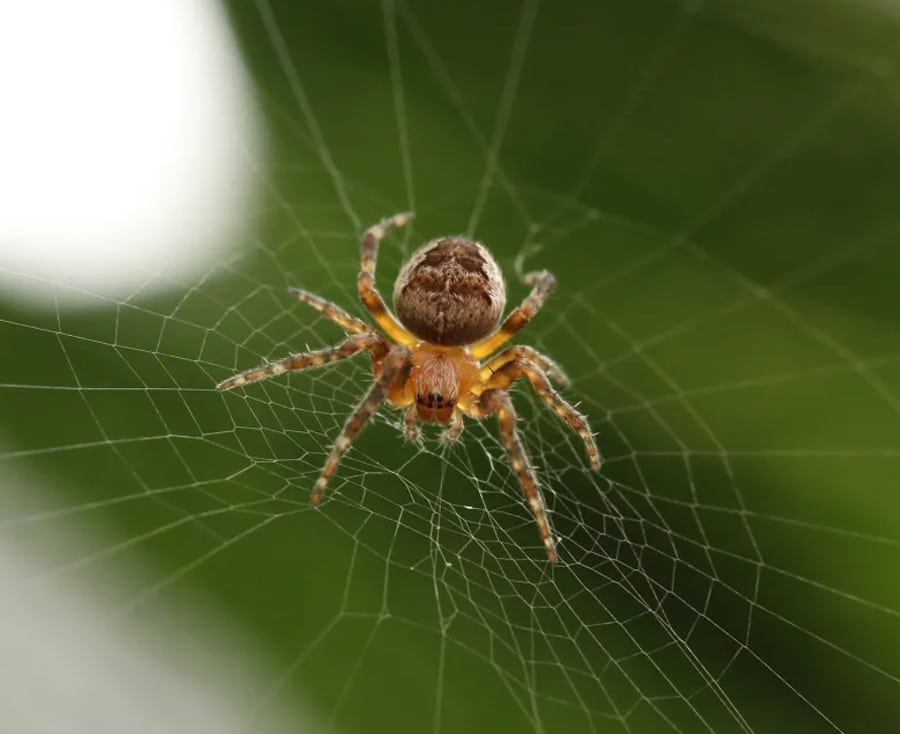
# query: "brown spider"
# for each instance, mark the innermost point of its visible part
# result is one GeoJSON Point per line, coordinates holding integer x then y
{"type": "Point", "coordinates": [449, 297]}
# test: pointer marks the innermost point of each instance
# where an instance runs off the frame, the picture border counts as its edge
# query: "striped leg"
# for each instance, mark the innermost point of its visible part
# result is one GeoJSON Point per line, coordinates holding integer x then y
{"type": "Point", "coordinates": [371, 341]}
{"type": "Point", "coordinates": [521, 367]}
{"type": "Point", "coordinates": [551, 368]}
{"type": "Point", "coordinates": [331, 310]}
{"type": "Point", "coordinates": [544, 283]}
{"type": "Point", "coordinates": [368, 292]}
{"type": "Point", "coordinates": [396, 368]}
{"type": "Point", "coordinates": [497, 402]}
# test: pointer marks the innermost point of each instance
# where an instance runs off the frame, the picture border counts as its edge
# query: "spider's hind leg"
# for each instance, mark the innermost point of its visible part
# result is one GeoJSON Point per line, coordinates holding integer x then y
{"type": "Point", "coordinates": [542, 283]}
{"type": "Point", "coordinates": [371, 341]}
{"type": "Point", "coordinates": [331, 310]}
{"type": "Point", "coordinates": [368, 291]}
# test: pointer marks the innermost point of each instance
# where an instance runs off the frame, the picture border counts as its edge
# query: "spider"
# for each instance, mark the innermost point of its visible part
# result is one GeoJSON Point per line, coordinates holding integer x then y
{"type": "Point", "coordinates": [449, 297]}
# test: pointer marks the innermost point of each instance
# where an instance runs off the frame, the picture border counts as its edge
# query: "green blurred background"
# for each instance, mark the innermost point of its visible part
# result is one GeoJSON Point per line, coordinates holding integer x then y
{"type": "Point", "coordinates": [715, 186]}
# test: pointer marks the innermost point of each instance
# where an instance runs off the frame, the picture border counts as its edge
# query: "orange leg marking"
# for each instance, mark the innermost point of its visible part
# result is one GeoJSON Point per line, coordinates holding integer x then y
{"type": "Point", "coordinates": [368, 292]}
{"type": "Point", "coordinates": [544, 283]}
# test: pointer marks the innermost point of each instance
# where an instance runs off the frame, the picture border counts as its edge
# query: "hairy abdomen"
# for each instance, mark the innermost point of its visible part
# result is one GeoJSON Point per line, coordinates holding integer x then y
{"type": "Point", "coordinates": [450, 292]}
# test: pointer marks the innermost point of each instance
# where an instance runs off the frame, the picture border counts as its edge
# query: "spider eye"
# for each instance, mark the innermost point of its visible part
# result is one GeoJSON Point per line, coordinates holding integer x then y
{"type": "Point", "coordinates": [434, 401]}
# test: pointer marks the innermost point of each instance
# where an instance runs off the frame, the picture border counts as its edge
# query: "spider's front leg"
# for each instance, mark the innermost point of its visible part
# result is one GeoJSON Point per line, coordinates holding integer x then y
{"type": "Point", "coordinates": [497, 402]}
{"type": "Point", "coordinates": [395, 371]}
{"type": "Point", "coordinates": [522, 367]}
{"type": "Point", "coordinates": [520, 351]}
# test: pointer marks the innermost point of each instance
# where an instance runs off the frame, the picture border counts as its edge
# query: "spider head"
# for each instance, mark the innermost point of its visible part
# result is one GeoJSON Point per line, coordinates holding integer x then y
{"type": "Point", "coordinates": [440, 377]}
{"type": "Point", "coordinates": [450, 292]}
{"type": "Point", "coordinates": [437, 384]}
{"type": "Point", "coordinates": [434, 408]}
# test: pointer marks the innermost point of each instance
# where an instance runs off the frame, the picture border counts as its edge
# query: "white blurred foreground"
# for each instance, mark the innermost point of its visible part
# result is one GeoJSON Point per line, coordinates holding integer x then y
{"type": "Point", "coordinates": [69, 664]}
{"type": "Point", "coordinates": [129, 145]}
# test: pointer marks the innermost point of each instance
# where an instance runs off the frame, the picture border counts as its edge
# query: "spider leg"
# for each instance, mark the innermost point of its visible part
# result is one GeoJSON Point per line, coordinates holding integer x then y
{"type": "Point", "coordinates": [368, 292]}
{"type": "Point", "coordinates": [553, 370]}
{"type": "Point", "coordinates": [457, 426]}
{"type": "Point", "coordinates": [497, 401]}
{"type": "Point", "coordinates": [521, 367]}
{"type": "Point", "coordinates": [544, 283]}
{"type": "Point", "coordinates": [396, 368]}
{"type": "Point", "coordinates": [371, 341]}
{"type": "Point", "coordinates": [331, 310]}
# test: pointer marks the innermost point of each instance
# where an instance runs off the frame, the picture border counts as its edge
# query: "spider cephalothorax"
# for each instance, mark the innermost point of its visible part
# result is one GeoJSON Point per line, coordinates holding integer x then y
{"type": "Point", "coordinates": [449, 298]}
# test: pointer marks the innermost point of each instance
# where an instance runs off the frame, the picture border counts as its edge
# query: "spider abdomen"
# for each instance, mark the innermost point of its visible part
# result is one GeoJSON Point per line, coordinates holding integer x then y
{"type": "Point", "coordinates": [450, 292]}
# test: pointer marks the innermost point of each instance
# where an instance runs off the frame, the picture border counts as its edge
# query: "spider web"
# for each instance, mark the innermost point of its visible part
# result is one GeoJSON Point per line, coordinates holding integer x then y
{"type": "Point", "coordinates": [727, 332]}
